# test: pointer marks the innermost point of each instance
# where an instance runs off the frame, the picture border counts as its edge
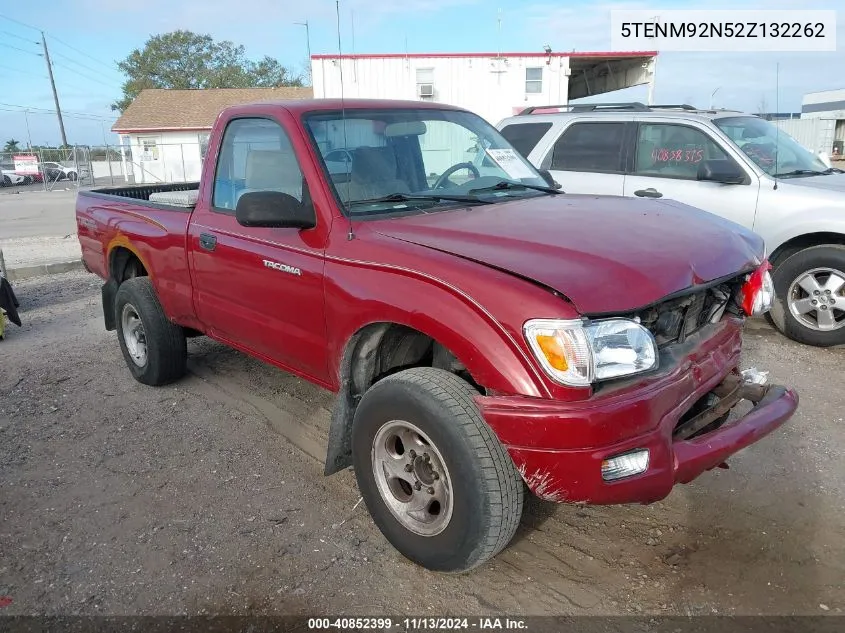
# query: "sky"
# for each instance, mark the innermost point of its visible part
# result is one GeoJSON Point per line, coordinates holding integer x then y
{"type": "Point", "coordinates": [86, 38]}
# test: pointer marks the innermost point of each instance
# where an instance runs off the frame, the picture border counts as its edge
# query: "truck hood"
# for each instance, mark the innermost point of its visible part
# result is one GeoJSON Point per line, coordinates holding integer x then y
{"type": "Point", "coordinates": [606, 254]}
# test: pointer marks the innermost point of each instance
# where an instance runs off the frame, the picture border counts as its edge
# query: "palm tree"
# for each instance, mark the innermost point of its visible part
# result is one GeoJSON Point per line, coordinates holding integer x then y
{"type": "Point", "coordinates": [12, 146]}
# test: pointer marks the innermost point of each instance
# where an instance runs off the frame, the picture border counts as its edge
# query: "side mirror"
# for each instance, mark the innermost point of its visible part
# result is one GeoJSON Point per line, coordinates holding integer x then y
{"type": "Point", "coordinates": [721, 170]}
{"type": "Point", "coordinates": [550, 181]}
{"type": "Point", "coordinates": [274, 209]}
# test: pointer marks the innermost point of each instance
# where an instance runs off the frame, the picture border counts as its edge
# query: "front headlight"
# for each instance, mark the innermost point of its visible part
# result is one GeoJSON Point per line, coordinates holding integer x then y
{"type": "Point", "coordinates": [577, 353]}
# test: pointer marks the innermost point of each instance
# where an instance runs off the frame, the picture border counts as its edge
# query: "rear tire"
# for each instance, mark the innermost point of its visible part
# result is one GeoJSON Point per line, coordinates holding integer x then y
{"type": "Point", "coordinates": [476, 503]}
{"type": "Point", "coordinates": [795, 279]}
{"type": "Point", "coordinates": [155, 350]}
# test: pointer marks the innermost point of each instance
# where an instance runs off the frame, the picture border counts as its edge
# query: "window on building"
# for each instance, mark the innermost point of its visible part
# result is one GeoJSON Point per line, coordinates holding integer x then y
{"type": "Point", "coordinates": [149, 148]}
{"type": "Point", "coordinates": [533, 80]}
{"type": "Point", "coordinates": [673, 151]}
{"type": "Point", "coordinates": [593, 147]}
{"type": "Point", "coordinates": [524, 137]}
{"type": "Point", "coordinates": [425, 83]}
{"type": "Point", "coordinates": [256, 155]}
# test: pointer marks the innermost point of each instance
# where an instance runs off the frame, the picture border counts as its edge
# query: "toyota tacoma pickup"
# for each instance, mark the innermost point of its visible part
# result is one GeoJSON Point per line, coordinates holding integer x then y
{"type": "Point", "coordinates": [485, 333]}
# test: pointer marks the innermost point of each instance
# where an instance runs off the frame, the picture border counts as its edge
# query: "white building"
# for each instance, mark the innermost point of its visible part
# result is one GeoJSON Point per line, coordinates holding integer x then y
{"type": "Point", "coordinates": [828, 104]}
{"type": "Point", "coordinates": [165, 132]}
{"type": "Point", "coordinates": [493, 85]}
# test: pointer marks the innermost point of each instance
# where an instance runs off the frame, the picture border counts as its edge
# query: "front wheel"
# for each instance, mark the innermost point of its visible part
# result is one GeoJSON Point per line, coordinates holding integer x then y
{"type": "Point", "coordinates": [810, 292]}
{"type": "Point", "coordinates": [155, 350]}
{"type": "Point", "coordinates": [72, 176]}
{"type": "Point", "coordinates": [436, 480]}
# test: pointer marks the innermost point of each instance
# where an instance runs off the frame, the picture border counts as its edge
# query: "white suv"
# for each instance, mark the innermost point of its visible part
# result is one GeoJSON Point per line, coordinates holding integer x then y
{"type": "Point", "coordinates": [737, 166]}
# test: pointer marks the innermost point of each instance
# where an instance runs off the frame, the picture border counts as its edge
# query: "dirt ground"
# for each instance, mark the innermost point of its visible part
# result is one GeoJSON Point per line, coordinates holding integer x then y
{"type": "Point", "coordinates": [116, 498]}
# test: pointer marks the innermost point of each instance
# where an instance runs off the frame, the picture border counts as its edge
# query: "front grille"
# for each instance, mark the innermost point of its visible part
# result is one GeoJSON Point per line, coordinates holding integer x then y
{"type": "Point", "coordinates": [673, 320]}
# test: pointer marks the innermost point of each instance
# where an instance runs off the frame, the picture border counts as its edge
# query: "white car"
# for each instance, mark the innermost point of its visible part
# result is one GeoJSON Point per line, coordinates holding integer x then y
{"type": "Point", "coordinates": [10, 178]}
{"type": "Point", "coordinates": [734, 165]}
{"type": "Point", "coordinates": [57, 171]}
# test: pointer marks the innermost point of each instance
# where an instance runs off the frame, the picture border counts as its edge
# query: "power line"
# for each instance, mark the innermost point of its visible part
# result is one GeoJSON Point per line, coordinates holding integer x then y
{"type": "Point", "coordinates": [29, 26]}
{"type": "Point", "coordinates": [25, 107]}
{"type": "Point", "coordinates": [111, 66]}
{"type": "Point", "coordinates": [73, 70]}
{"type": "Point", "coordinates": [20, 49]}
{"type": "Point", "coordinates": [76, 115]}
{"type": "Point", "coordinates": [23, 72]}
{"type": "Point", "coordinates": [19, 37]}
{"type": "Point", "coordinates": [70, 59]}
{"type": "Point", "coordinates": [52, 112]}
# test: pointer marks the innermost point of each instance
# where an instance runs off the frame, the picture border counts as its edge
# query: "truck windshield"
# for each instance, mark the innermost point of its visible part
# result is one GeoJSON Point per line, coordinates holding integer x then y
{"type": "Point", "coordinates": [774, 151]}
{"type": "Point", "coordinates": [414, 159]}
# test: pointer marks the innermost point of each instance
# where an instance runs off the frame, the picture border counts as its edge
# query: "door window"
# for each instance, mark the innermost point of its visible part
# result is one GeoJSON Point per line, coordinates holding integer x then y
{"type": "Point", "coordinates": [525, 136]}
{"type": "Point", "coordinates": [256, 155]}
{"type": "Point", "coordinates": [673, 151]}
{"type": "Point", "coordinates": [590, 147]}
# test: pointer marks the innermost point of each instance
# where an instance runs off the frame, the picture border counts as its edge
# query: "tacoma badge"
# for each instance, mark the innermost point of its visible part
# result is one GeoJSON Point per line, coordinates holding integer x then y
{"type": "Point", "coordinates": [282, 267]}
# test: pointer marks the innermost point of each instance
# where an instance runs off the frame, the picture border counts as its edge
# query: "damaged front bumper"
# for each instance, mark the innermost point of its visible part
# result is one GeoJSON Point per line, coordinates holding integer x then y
{"type": "Point", "coordinates": [666, 430]}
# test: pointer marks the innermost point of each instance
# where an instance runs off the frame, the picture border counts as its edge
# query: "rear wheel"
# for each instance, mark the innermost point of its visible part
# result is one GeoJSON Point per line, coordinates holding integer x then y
{"type": "Point", "coordinates": [435, 478]}
{"type": "Point", "coordinates": [7, 182]}
{"type": "Point", "coordinates": [154, 349]}
{"type": "Point", "coordinates": [810, 292]}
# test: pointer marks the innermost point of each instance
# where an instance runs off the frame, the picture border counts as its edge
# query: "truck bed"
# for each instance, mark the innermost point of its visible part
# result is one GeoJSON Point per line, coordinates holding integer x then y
{"type": "Point", "coordinates": [142, 193]}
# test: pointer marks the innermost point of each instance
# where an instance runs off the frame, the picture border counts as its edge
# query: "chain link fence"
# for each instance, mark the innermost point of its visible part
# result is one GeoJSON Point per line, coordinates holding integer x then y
{"type": "Point", "coordinates": [69, 167]}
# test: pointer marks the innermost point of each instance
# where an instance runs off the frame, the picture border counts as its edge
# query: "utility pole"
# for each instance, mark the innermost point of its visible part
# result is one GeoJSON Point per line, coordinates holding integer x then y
{"type": "Point", "coordinates": [53, 85]}
{"type": "Point", "coordinates": [307, 37]}
{"type": "Point", "coordinates": [28, 136]}
{"type": "Point", "coordinates": [308, 46]}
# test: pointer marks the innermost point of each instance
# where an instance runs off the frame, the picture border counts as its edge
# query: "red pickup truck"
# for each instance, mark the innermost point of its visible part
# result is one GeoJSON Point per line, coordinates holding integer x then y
{"type": "Point", "coordinates": [484, 331]}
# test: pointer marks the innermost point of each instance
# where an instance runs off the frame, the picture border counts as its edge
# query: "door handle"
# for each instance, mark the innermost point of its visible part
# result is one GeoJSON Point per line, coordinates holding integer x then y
{"type": "Point", "coordinates": [208, 241]}
{"type": "Point", "coordinates": [651, 192]}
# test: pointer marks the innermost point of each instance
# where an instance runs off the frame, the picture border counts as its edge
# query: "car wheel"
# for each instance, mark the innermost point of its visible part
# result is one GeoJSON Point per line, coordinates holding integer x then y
{"type": "Point", "coordinates": [71, 175]}
{"type": "Point", "coordinates": [810, 296]}
{"type": "Point", "coordinates": [7, 182]}
{"type": "Point", "coordinates": [436, 480]}
{"type": "Point", "coordinates": [155, 350]}
{"type": "Point", "coordinates": [27, 180]}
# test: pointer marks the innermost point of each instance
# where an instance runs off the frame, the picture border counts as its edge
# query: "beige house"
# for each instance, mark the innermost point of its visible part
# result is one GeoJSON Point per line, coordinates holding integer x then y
{"type": "Point", "coordinates": [165, 132]}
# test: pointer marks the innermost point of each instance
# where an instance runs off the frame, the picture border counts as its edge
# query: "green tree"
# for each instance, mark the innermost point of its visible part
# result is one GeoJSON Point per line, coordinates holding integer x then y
{"type": "Point", "coordinates": [12, 146]}
{"type": "Point", "coordinates": [186, 60]}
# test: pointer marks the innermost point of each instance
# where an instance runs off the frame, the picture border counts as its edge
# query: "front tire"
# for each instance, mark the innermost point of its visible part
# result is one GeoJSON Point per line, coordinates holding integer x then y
{"type": "Point", "coordinates": [72, 176]}
{"type": "Point", "coordinates": [436, 480]}
{"type": "Point", "coordinates": [155, 350]}
{"type": "Point", "coordinates": [810, 296]}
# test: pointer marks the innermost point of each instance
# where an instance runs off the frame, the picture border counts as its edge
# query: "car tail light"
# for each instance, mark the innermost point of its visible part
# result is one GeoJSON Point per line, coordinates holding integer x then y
{"type": "Point", "coordinates": [758, 293]}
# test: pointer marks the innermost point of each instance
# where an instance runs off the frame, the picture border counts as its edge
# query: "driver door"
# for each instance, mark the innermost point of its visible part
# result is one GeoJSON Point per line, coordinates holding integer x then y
{"type": "Point", "coordinates": [667, 157]}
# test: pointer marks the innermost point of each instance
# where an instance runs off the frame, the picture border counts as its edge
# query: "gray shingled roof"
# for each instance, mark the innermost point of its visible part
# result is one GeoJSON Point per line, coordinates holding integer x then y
{"type": "Point", "coordinates": [158, 109]}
